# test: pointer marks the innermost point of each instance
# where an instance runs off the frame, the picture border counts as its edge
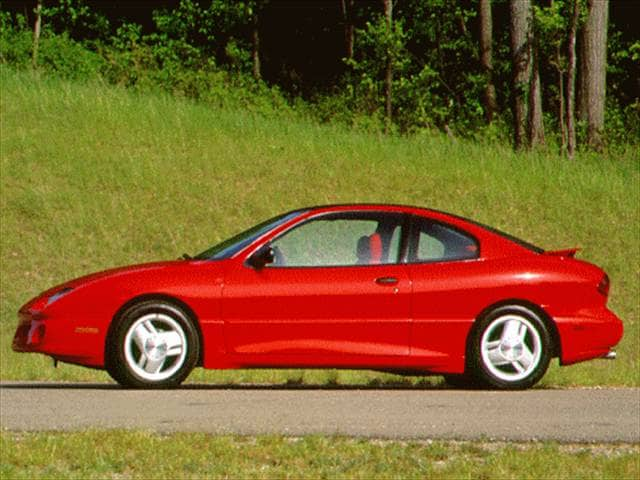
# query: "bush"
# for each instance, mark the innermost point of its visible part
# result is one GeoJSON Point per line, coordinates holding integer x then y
{"type": "Point", "coordinates": [57, 54]}
{"type": "Point", "coordinates": [69, 59]}
{"type": "Point", "coordinates": [16, 41]}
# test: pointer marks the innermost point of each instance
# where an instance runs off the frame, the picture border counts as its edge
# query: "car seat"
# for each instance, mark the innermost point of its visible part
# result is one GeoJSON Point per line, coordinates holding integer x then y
{"type": "Point", "coordinates": [369, 249]}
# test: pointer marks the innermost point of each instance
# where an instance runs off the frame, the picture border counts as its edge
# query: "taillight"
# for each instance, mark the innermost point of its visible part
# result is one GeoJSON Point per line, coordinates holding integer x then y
{"type": "Point", "coordinates": [603, 286]}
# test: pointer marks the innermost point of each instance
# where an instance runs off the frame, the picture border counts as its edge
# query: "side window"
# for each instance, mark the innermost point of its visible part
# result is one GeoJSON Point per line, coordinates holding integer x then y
{"type": "Point", "coordinates": [340, 240]}
{"type": "Point", "coordinates": [436, 242]}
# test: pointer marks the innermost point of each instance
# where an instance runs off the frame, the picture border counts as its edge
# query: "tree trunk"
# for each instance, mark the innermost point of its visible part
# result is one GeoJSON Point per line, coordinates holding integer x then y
{"type": "Point", "coordinates": [536, 124]}
{"type": "Point", "coordinates": [520, 31]}
{"type": "Point", "coordinates": [561, 100]}
{"type": "Point", "coordinates": [388, 78]}
{"type": "Point", "coordinates": [581, 104]}
{"type": "Point", "coordinates": [36, 34]}
{"type": "Point", "coordinates": [486, 59]}
{"type": "Point", "coordinates": [594, 73]}
{"type": "Point", "coordinates": [571, 81]}
{"type": "Point", "coordinates": [255, 50]}
{"type": "Point", "coordinates": [349, 29]}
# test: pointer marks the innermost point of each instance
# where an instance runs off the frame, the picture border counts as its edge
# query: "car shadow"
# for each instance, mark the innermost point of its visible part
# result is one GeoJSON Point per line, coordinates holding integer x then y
{"type": "Point", "coordinates": [289, 385]}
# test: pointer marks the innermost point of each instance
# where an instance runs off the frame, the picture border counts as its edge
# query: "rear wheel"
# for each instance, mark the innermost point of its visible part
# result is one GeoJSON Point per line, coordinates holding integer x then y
{"type": "Point", "coordinates": [154, 344]}
{"type": "Point", "coordinates": [511, 348]}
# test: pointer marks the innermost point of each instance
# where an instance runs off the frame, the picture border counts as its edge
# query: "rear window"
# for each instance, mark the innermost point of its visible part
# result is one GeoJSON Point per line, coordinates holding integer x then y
{"type": "Point", "coordinates": [506, 236]}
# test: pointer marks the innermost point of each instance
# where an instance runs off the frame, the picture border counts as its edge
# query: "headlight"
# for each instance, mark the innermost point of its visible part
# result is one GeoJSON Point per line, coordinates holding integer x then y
{"type": "Point", "coordinates": [58, 295]}
{"type": "Point", "coordinates": [43, 302]}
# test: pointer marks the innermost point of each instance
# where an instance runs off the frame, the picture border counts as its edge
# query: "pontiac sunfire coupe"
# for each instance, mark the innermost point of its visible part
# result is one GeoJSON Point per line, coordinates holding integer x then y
{"type": "Point", "coordinates": [382, 287]}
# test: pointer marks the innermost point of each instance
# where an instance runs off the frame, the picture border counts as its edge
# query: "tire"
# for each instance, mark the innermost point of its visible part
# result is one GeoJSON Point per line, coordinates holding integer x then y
{"type": "Point", "coordinates": [153, 344]}
{"type": "Point", "coordinates": [510, 348]}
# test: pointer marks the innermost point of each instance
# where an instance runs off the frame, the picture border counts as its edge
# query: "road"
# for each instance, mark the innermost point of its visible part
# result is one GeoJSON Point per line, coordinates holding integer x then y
{"type": "Point", "coordinates": [575, 415]}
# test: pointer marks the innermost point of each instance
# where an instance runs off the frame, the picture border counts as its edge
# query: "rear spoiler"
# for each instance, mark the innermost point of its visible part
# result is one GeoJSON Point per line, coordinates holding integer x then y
{"type": "Point", "coordinates": [569, 252]}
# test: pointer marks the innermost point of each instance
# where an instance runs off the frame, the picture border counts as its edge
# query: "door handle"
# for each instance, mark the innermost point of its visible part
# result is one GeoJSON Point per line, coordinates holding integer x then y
{"type": "Point", "coordinates": [387, 281]}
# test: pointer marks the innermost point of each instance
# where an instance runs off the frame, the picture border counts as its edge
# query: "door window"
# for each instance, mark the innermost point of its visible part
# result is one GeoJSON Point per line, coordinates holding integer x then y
{"type": "Point", "coordinates": [340, 240]}
{"type": "Point", "coordinates": [436, 242]}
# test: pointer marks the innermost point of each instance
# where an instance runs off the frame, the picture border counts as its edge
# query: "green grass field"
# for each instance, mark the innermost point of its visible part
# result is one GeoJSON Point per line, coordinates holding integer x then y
{"type": "Point", "coordinates": [121, 454]}
{"type": "Point", "coordinates": [94, 176]}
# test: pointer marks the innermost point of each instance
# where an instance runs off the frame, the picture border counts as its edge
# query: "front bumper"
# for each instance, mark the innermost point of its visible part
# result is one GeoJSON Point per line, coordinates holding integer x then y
{"type": "Point", "coordinates": [58, 338]}
{"type": "Point", "coordinates": [30, 334]}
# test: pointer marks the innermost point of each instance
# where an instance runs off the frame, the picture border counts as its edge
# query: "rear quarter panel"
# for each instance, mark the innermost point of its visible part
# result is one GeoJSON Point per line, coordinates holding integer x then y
{"type": "Point", "coordinates": [450, 296]}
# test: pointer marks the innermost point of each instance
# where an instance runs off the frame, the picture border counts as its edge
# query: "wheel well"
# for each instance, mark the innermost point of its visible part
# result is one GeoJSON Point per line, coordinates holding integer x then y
{"type": "Point", "coordinates": [157, 297]}
{"type": "Point", "coordinates": [544, 316]}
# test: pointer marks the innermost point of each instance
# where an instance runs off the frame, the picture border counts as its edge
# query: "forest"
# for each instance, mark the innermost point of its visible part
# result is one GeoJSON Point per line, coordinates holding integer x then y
{"type": "Point", "coordinates": [562, 75]}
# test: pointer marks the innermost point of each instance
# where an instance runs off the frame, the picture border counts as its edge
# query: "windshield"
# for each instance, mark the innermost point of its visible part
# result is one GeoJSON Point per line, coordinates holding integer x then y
{"type": "Point", "coordinates": [231, 246]}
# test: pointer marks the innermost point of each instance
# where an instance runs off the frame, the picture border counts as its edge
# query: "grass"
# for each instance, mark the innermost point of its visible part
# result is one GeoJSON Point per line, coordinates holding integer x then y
{"type": "Point", "coordinates": [135, 454]}
{"type": "Point", "coordinates": [94, 176]}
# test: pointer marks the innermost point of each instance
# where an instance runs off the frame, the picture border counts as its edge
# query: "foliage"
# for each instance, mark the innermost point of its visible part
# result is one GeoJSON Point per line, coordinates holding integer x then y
{"type": "Point", "coordinates": [58, 54]}
{"type": "Point", "coordinates": [202, 49]}
{"type": "Point", "coordinates": [192, 35]}
{"type": "Point", "coordinates": [15, 40]}
{"type": "Point", "coordinates": [426, 45]}
{"type": "Point", "coordinates": [622, 114]}
{"type": "Point", "coordinates": [75, 19]}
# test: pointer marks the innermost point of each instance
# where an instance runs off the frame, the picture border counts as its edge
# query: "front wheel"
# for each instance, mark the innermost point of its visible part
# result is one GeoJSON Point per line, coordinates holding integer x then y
{"type": "Point", "coordinates": [154, 344]}
{"type": "Point", "coordinates": [511, 348]}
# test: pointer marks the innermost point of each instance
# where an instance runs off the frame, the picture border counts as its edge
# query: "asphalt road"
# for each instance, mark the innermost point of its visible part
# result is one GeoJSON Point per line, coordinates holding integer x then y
{"type": "Point", "coordinates": [577, 415]}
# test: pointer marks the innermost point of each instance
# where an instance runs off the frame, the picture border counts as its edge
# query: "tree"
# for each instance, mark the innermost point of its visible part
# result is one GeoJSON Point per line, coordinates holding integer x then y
{"type": "Point", "coordinates": [36, 34]}
{"type": "Point", "coordinates": [570, 127]}
{"type": "Point", "coordinates": [255, 43]}
{"type": "Point", "coordinates": [593, 70]}
{"type": "Point", "coordinates": [388, 77]}
{"type": "Point", "coordinates": [346, 7]}
{"type": "Point", "coordinates": [486, 59]}
{"type": "Point", "coordinates": [535, 123]}
{"type": "Point", "coordinates": [520, 30]}
{"type": "Point", "coordinates": [528, 125]}
{"type": "Point", "coordinates": [551, 36]}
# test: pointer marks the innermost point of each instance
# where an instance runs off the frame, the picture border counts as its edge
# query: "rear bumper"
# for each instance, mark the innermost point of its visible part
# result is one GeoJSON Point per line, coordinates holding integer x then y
{"type": "Point", "coordinates": [592, 334]}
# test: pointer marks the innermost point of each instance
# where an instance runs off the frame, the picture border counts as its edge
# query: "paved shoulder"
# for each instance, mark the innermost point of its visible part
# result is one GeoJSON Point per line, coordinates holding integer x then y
{"type": "Point", "coordinates": [577, 415]}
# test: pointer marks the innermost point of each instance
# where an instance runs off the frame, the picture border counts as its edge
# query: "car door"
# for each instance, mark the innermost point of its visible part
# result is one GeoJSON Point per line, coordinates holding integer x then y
{"type": "Point", "coordinates": [334, 295]}
{"type": "Point", "coordinates": [444, 267]}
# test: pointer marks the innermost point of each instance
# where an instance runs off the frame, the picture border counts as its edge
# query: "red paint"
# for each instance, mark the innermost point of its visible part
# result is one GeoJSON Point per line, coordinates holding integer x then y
{"type": "Point", "coordinates": [404, 316]}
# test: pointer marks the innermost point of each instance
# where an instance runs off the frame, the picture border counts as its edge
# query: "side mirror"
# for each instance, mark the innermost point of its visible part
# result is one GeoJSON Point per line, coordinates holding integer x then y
{"type": "Point", "coordinates": [263, 256]}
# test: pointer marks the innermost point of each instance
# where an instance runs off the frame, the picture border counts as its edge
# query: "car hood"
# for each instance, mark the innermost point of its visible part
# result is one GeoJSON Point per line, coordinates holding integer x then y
{"type": "Point", "coordinates": [158, 269]}
{"type": "Point", "coordinates": [120, 271]}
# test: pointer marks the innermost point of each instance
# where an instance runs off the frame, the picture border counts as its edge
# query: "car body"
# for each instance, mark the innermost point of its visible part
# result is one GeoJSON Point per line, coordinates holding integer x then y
{"type": "Point", "coordinates": [387, 287]}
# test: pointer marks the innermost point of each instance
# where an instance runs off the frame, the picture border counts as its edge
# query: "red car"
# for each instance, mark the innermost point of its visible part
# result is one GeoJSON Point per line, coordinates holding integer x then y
{"type": "Point", "coordinates": [383, 287]}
